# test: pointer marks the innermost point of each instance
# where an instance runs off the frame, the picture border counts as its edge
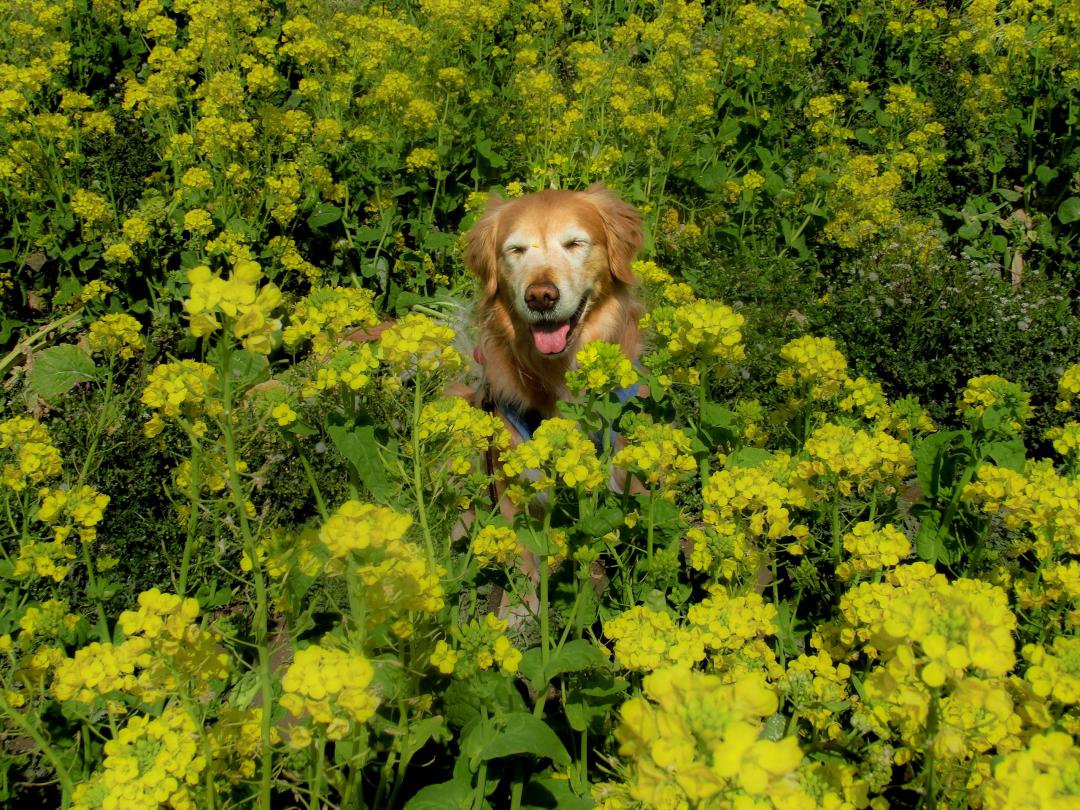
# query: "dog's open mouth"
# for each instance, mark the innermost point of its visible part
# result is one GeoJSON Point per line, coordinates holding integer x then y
{"type": "Point", "coordinates": [552, 337]}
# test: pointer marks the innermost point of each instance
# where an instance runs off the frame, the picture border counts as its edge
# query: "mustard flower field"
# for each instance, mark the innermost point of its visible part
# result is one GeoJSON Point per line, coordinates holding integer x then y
{"type": "Point", "coordinates": [250, 557]}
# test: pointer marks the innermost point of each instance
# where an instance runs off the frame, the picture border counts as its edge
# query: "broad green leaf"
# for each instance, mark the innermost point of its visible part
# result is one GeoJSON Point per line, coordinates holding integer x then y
{"type": "Point", "coordinates": [545, 794]}
{"type": "Point", "coordinates": [929, 461]}
{"type": "Point", "coordinates": [927, 545]}
{"type": "Point", "coordinates": [525, 734]}
{"type": "Point", "coordinates": [453, 795]}
{"type": "Point", "coordinates": [600, 522]}
{"type": "Point", "coordinates": [1069, 210]}
{"type": "Point", "coordinates": [575, 656]}
{"type": "Point", "coordinates": [1010, 454]}
{"type": "Point", "coordinates": [747, 457]}
{"type": "Point", "coordinates": [360, 448]}
{"type": "Point", "coordinates": [324, 215]}
{"type": "Point", "coordinates": [58, 369]}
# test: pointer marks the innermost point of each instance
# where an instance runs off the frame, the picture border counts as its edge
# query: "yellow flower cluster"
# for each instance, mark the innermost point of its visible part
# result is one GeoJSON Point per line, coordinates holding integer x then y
{"type": "Point", "coordinates": [954, 627]}
{"type": "Point", "coordinates": [756, 500]}
{"type": "Point", "coordinates": [728, 623]}
{"type": "Point", "coordinates": [183, 390]}
{"type": "Point", "coordinates": [815, 685]}
{"type": "Point", "coordinates": [990, 390]}
{"type": "Point", "coordinates": [326, 314]}
{"type": "Point", "coordinates": [871, 549]}
{"type": "Point", "coordinates": [480, 645]}
{"type": "Point", "coordinates": [91, 208]}
{"type": "Point", "coordinates": [82, 507]}
{"type": "Point", "coordinates": [1068, 387]}
{"type": "Point", "coordinates": [1055, 673]}
{"type": "Point", "coordinates": [330, 685]}
{"type": "Point", "coordinates": [496, 545]}
{"type": "Point", "coordinates": [235, 743]}
{"type": "Point", "coordinates": [463, 429]}
{"type": "Point", "coordinates": [1046, 774]}
{"type": "Point", "coordinates": [695, 741]}
{"type": "Point", "coordinates": [658, 455]}
{"type": "Point", "coordinates": [97, 670]}
{"type": "Point", "coordinates": [853, 460]}
{"type": "Point", "coordinates": [1066, 439]}
{"type": "Point", "coordinates": [117, 334]}
{"type": "Point", "coordinates": [601, 368]}
{"type": "Point", "coordinates": [368, 542]}
{"type": "Point", "coordinates": [34, 458]}
{"type": "Point", "coordinates": [357, 527]}
{"type": "Point", "coordinates": [558, 449]}
{"type": "Point", "coordinates": [1039, 500]}
{"type": "Point", "coordinates": [152, 762]}
{"type": "Point", "coordinates": [646, 640]}
{"type": "Point", "coordinates": [249, 306]}
{"type": "Point", "coordinates": [815, 363]}
{"type": "Point", "coordinates": [704, 331]}
{"type": "Point", "coordinates": [165, 650]}
{"type": "Point", "coordinates": [417, 343]}
{"type": "Point", "coordinates": [350, 365]}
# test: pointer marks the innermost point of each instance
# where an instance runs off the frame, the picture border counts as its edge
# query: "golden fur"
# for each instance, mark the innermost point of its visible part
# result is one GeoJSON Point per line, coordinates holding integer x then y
{"type": "Point", "coordinates": [575, 246]}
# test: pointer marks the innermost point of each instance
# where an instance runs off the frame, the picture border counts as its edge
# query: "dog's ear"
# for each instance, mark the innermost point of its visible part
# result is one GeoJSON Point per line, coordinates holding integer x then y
{"type": "Point", "coordinates": [622, 227]}
{"type": "Point", "coordinates": [481, 252]}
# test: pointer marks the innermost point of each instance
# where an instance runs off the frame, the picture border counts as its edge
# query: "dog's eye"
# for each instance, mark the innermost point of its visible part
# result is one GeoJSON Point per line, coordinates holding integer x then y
{"type": "Point", "coordinates": [515, 251]}
{"type": "Point", "coordinates": [574, 244]}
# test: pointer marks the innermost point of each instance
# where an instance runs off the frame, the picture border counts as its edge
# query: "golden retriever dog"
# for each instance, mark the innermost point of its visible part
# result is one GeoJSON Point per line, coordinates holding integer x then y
{"type": "Point", "coordinates": [555, 274]}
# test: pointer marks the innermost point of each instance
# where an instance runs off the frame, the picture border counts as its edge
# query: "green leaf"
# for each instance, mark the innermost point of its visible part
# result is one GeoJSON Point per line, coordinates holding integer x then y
{"type": "Point", "coordinates": [324, 215]}
{"type": "Point", "coordinates": [58, 369]}
{"type": "Point", "coordinates": [525, 734]}
{"type": "Point", "coordinates": [600, 522]}
{"type": "Point", "coordinates": [575, 656]}
{"type": "Point", "coordinates": [927, 545]}
{"type": "Point", "coordinates": [360, 448]}
{"type": "Point", "coordinates": [970, 230]}
{"type": "Point", "coordinates": [1045, 174]}
{"type": "Point", "coordinates": [747, 457]}
{"type": "Point", "coordinates": [930, 455]}
{"type": "Point", "coordinates": [485, 150]}
{"type": "Point", "coordinates": [532, 667]}
{"type": "Point", "coordinates": [248, 368]}
{"type": "Point", "coordinates": [1010, 454]}
{"type": "Point", "coordinates": [1069, 210]}
{"type": "Point", "coordinates": [445, 796]}
{"type": "Point", "coordinates": [543, 794]}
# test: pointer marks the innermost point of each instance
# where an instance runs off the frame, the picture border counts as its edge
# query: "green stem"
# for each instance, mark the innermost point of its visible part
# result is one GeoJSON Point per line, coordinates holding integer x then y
{"type": "Point", "coordinates": [309, 472]}
{"type": "Point", "coordinates": [260, 619]}
{"type": "Point", "coordinates": [320, 764]}
{"type": "Point", "coordinates": [193, 518]}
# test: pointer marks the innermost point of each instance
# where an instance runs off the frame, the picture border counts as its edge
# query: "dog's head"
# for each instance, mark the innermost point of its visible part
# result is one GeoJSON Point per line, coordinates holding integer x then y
{"type": "Point", "coordinates": [552, 257]}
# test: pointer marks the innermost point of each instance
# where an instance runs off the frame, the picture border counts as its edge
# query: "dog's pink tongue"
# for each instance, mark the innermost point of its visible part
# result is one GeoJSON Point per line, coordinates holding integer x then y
{"type": "Point", "coordinates": [551, 338]}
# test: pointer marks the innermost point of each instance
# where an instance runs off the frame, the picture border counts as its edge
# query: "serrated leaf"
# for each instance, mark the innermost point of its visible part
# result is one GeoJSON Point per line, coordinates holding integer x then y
{"type": "Point", "coordinates": [525, 734]}
{"type": "Point", "coordinates": [58, 369]}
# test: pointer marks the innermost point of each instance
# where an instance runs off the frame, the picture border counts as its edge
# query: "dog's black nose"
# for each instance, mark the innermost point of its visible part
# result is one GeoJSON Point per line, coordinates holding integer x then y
{"type": "Point", "coordinates": [541, 297]}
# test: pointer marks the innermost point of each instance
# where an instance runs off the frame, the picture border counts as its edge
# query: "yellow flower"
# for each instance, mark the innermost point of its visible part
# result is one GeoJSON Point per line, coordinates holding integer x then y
{"type": "Point", "coordinates": [601, 368]}
{"type": "Point", "coordinates": [116, 334]}
{"type": "Point", "coordinates": [329, 684]}
{"type": "Point", "coordinates": [495, 545]}
{"type": "Point", "coordinates": [418, 343]}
